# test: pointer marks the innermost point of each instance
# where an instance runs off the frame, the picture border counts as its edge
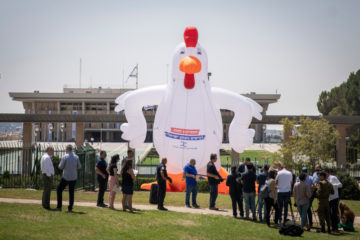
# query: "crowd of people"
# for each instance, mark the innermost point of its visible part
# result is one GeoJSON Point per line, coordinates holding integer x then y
{"type": "Point", "coordinates": [276, 186]}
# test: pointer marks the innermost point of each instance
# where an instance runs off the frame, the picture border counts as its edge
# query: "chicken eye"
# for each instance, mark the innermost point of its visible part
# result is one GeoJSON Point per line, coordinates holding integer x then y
{"type": "Point", "coordinates": [182, 52]}
{"type": "Point", "coordinates": [199, 53]}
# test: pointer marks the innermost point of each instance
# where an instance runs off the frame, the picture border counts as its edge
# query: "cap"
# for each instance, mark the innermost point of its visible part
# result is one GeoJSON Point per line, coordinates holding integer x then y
{"type": "Point", "coordinates": [304, 169]}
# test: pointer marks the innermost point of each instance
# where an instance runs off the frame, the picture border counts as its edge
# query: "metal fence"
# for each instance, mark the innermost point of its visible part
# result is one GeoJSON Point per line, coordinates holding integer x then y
{"type": "Point", "coordinates": [20, 166]}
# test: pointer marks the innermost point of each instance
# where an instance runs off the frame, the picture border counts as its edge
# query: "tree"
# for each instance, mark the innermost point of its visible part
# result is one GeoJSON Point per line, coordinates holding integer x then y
{"type": "Point", "coordinates": [344, 100]}
{"type": "Point", "coordinates": [312, 142]}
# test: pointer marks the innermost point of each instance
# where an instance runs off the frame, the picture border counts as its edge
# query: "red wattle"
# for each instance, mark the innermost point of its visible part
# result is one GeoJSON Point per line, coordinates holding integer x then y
{"type": "Point", "coordinates": [189, 81]}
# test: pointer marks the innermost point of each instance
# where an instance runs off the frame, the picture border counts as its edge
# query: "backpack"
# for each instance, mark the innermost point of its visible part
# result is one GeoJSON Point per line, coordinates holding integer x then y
{"type": "Point", "coordinates": [291, 229]}
{"type": "Point", "coordinates": [264, 191]}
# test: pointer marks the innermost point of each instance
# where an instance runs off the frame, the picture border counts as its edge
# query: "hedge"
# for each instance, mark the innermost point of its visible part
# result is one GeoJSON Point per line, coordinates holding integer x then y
{"type": "Point", "coordinates": [350, 189]}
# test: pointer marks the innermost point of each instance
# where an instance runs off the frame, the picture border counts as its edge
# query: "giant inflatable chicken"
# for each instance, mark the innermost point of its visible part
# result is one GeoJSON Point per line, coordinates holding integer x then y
{"type": "Point", "coordinates": [188, 122]}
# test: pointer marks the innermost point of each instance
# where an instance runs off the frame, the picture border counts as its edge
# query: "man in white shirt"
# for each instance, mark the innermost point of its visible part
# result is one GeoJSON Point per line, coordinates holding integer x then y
{"type": "Point", "coordinates": [284, 181]}
{"type": "Point", "coordinates": [47, 169]}
{"type": "Point", "coordinates": [334, 200]}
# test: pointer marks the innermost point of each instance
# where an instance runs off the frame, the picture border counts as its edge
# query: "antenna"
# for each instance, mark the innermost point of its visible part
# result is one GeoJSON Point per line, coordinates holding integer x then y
{"type": "Point", "coordinates": [80, 75]}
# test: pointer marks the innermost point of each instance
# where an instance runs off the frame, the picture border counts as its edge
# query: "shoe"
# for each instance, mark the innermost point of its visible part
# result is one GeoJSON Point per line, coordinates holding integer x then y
{"type": "Point", "coordinates": [188, 206]}
{"type": "Point", "coordinates": [254, 219]}
{"type": "Point", "coordinates": [112, 208]}
{"type": "Point", "coordinates": [69, 210]}
{"type": "Point", "coordinates": [196, 206]}
{"type": "Point", "coordinates": [329, 231]}
{"type": "Point", "coordinates": [103, 205]}
{"type": "Point", "coordinates": [162, 209]}
{"type": "Point", "coordinates": [234, 216]}
{"type": "Point", "coordinates": [47, 208]}
{"type": "Point", "coordinates": [214, 208]}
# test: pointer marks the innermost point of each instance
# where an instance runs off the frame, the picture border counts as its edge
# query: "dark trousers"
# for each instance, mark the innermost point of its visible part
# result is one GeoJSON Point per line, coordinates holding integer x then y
{"type": "Point", "coordinates": [309, 212]}
{"type": "Point", "coordinates": [60, 189]}
{"type": "Point", "coordinates": [324, 212]}
{"type": "Point", "coordinates": [161, 193]}
{"type": "Point", "coordinates": [269, 204]}
{"type": "Point", "coordinates": [283, 202]}
{"type": "Point", "coordinates": [213, 194]}
{"type": "Point", "coordinates": [191, 189]}
{"type": "Point", "coordinates": [237, 201]}
{"type": "Point", "coordinates": [102, 188]}
{"type": "Point", "coordinates": [334, 213]}
{"type": "Point", "coordinates": [47, 181]}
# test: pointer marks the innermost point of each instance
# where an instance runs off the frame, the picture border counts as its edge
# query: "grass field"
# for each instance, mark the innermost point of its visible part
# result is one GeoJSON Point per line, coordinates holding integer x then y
{"type": "Point", "coordinates": [20, 221]}
{"type": "Point", "coordinates": [260, 156]}
{"type": "Point", "coordinates": [142, 197]}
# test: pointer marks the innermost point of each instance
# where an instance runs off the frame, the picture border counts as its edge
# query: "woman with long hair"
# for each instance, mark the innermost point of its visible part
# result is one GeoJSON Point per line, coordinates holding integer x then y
{"type": "Point", "coordinates": [347, 218]}
{"type": "Point", "coordinates": [113, 179]}
{"type": "Point", "coordinates": [128, 177]}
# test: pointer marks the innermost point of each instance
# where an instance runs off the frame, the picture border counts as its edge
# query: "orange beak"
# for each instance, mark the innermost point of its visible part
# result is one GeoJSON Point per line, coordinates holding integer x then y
{"type": "Point", "coordinates": [190, 65]}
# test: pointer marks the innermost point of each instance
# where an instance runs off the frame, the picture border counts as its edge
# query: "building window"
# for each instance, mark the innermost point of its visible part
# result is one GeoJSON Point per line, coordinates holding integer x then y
{"type": "Point", "coordinates": [95, 106]}
{"type": "Point", "coordinates": [70, 106]}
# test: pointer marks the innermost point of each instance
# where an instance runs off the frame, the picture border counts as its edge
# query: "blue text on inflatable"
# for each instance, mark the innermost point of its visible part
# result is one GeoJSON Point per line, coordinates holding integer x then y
{"type": "Point", "coordinates": [184, 137]}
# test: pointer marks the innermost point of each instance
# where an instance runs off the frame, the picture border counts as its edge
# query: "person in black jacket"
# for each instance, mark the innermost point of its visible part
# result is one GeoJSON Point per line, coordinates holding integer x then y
{"type": "Point", "coordinates": [235, 191]}
{"type": "Point", "coordinates": [161, 176]}
{"type": "Point", "coordinates": [214, 179]}
{"type": "Point", "coordinates": [243, 167]}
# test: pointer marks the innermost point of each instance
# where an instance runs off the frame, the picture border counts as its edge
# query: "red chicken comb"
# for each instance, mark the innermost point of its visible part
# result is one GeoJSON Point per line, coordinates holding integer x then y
{"type": "Point", "coordinates": [191, 36]}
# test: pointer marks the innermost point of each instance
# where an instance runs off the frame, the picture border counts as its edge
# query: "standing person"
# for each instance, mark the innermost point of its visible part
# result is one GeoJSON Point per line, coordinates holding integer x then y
{"type": "Point", "coordinates": [235, 191]}
{"type": "Point", "coordinates": [102, 178]}
{"type": "Point", "coordinates": [301, 197]}
{"type": "Point", "coordinates": [261, 179]}
{"type": "Point", "coordinates": [214, 179]}
{"type": "Point", "coordinates": [334, 200]}
{"type": "Point", "coordinates": [248, 180]}
{"type": "Point", "coordinates": [325, 189]}
{"type": "Point", "coordinates": [113, 179]}
{"type": "Point", "coordinates": [70, 164]}
{"type": "Point", "coordinates": [161, 177]}
{"type": "Point", "coordinates": [271, 201]}
{"type": "Point", "coordinates": [309, 183]}
{"type": "Point", "coordinates": [128, 177]}
{"type": "Point", "coordinates": [284, 182]}
{"type": "Point", "coordinates": [190, 173]}
{"type": "Point", "coordinates": [242, 168]}
{"type": "Point", "coordinates": [47, 169]}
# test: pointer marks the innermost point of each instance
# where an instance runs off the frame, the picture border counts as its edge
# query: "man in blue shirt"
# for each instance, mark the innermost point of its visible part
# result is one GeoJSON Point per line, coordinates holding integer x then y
{"type": "Point", "coordinates": [102, 177]}
{"type": "Point", "coordinates": [316, 174]}
{"type": "Point", "coordinates": [261, 178]}
{"type": "Point", "coordinates": [191, 184]}
{"type": "Point", "coordinates": [69, 164]}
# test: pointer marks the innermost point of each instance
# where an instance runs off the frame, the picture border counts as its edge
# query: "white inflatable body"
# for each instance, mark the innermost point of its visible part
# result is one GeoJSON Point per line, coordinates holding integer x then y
{"type": "Point", "coordinates": [188, 120]}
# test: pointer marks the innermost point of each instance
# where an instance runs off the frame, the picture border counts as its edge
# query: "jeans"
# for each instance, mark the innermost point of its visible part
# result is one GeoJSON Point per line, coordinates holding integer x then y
{"type": "Point", "coordinates": [102, 189]}
{"type": "Point", "coordinates": [302, 209]}
{"type": "Point", "coordinates": [113, 181]}
{"type": "Point", "coordinates": [269, 204]}
{"type": "Point", "coordinates": [191, 189]}
{"type": "Point", "coordinates": [237, 200]}
{"type": "Point", "coordinates": [47, 191]}
{"type": "Point", "coordinates": [213, 194]}
{"type": "Point", "coordinates": [250, 203]}
{"type": "Point", "coordinates": [283, 202]}
{"type": "Point", "coordinates": [334, 213]}
{"type": "Point", "coordinates": [261, 204]}
{"type": "Point", "coordinates": [161, 193]}
{"type": "Point", "coordinates": [60, 189]}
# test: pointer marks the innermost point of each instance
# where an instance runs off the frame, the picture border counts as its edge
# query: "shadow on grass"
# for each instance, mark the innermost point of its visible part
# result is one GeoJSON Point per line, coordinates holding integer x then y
{"type": "Point", "coordinates": [76, 212]}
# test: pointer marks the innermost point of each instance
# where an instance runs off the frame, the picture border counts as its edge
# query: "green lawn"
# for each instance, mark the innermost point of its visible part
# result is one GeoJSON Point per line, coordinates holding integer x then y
{"type": "Point", "coordinates": [26, 221]}
{"type": "Point", "coordinates": [142, 197]}
{"type": "Point", "coordinates": [260, 156]}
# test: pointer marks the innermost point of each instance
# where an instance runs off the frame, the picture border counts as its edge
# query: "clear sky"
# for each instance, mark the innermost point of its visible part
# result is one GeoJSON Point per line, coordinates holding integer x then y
{"type": "Point", "coordinates": [297, 48]}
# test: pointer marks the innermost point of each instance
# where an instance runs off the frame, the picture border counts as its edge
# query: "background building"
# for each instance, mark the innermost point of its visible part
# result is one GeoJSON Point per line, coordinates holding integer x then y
{"type": "Point", "coordinates": [101, 101]}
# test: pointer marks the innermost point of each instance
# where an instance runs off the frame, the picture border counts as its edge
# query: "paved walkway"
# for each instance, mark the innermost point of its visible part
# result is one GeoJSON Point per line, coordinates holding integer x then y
{"type": "Point", "coordinates": [141, 207]}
